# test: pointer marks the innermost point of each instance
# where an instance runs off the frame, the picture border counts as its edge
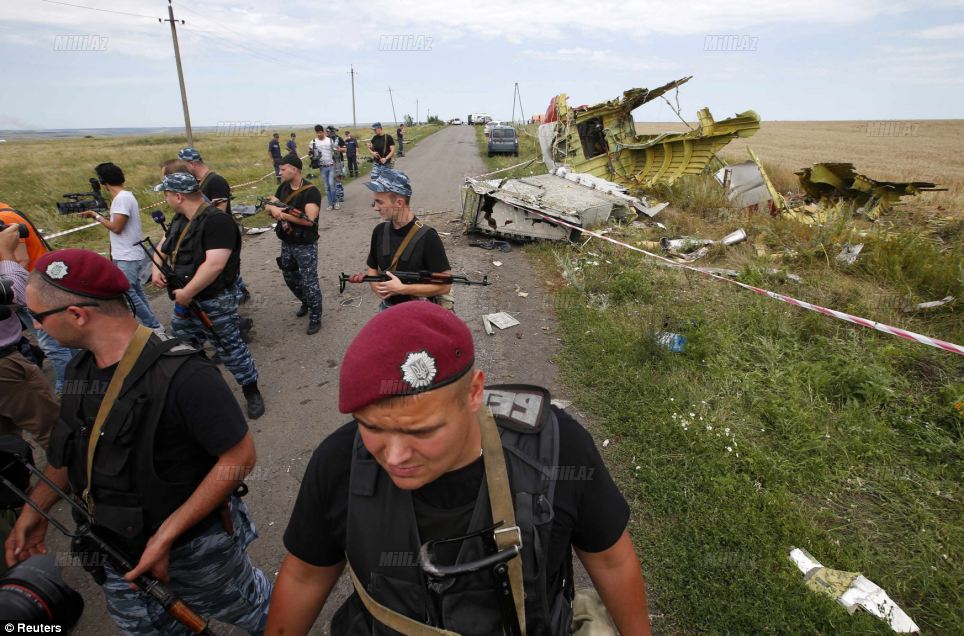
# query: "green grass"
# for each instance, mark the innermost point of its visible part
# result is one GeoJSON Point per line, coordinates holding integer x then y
{"type": "Point", "coordinates": [35, 173]}
{"type": "Point", "coordinates": [776, 427]}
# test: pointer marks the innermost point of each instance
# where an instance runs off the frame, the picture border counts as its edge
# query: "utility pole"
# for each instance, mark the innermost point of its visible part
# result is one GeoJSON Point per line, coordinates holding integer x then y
{"type": "Point", "coordinates": [395, 117]}
{"type": "Point", "coordinates": [180, 73]}
{"type": "Point", "coordinates": [515, 94]}
{"type": "Point", "coordinates": [354, 122]}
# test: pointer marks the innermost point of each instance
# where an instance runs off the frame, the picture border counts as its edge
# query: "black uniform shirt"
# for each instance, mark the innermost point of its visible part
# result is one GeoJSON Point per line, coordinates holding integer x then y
{"type": "Point", "coordinates": [590, 512]}
{"type": "Point", "coordinates": [428, 254]}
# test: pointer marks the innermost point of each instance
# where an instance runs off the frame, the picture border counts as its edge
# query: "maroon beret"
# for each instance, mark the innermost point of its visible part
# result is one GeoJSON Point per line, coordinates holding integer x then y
{"type": "Point", "coordinates": [410, 348]}
{"type": "Point", "coordinates": [82, 272]}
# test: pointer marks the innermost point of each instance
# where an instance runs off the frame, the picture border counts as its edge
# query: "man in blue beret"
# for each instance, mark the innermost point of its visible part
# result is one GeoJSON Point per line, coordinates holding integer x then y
{"type": "Point", "coordinates": [403, 243]}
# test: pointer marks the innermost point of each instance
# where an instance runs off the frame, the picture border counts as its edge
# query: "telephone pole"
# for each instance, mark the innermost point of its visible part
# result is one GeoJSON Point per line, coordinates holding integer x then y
{"type": "Point", "coordinates": [515, 94]}
{"type": "Point", "coordinates": [354, 122]}
{"type": "Point", "coordinates": [395, 117]}
{"type": "Point", "coordinates": [180, 73]}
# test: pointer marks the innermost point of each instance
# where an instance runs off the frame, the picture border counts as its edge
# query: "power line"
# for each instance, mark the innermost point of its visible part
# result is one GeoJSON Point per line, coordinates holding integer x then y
{"type": "Point", "coordinates": [80, 6]}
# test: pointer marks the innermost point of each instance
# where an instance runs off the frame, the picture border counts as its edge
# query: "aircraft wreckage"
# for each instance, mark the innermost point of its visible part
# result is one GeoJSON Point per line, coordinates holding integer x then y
{"type": "Point", "coordinates": [597, 162]}
{"type": "Point", "coordinates": [601, 140]}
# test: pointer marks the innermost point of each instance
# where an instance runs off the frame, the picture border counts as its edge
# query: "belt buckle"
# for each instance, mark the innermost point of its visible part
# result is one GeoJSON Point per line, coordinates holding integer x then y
{"type": "Point", "coordinates": [518, 536]}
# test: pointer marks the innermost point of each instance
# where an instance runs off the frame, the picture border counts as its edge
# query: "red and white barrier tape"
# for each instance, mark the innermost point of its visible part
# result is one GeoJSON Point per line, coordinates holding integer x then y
{"type": "Point", "coordinates": [857, 320]}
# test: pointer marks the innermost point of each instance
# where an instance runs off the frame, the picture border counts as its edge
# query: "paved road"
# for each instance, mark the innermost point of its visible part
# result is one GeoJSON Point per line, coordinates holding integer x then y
{"type": "Point", "coordinates": [299, 373]}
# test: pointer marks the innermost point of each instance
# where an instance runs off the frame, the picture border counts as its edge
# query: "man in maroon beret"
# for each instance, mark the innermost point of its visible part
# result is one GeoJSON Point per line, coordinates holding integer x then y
{"type": "Point", "coordinates": [437, 506]}
{"type": "Point", "coordinates": [154, 442]}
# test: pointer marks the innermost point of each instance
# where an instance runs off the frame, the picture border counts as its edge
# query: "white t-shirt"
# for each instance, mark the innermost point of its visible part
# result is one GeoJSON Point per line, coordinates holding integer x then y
{"type": "Point", "coordinates": [123, 246]}
{"type": "Point", "coordinates": [322, 148]}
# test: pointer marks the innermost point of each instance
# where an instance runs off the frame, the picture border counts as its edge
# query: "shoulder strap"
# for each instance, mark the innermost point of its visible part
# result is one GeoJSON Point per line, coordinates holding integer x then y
{"type": "Point", "coordinates": [304, 188]}
{"type": "Point", "coordinates": [416, 227]}
{"type": "Point", "coordinates": [205, 180]}
{"type": "Point", "coordinates": [500, 499]}
{"type": "Point", "coordinates": [124, 367]}
{"type": "Point", "coordinates": [392, 619]}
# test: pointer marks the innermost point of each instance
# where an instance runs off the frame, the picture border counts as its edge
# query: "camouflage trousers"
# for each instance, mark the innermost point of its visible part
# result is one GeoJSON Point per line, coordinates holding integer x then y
{"type": "Point", "coordinates": [299, 268]}
{"type": "Point", "coordinates": [211, 573]}
{"type": "Point", "coordinates": [223, 312]}
{"type": "Point", "coordinates": [340, 181]}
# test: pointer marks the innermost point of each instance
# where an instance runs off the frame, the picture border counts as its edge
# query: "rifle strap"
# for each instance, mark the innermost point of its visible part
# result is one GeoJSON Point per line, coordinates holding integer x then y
{"type": "Point", "coordinates": [500, 501]}
{"type": "Point", "coordinates": [124, 367]}
{"type": "Point", "coordinates": [305, 186]}
{"type": "Point", "coordinates": [416, 227]}
{"type": "Point", "coordinates": [392, 619]}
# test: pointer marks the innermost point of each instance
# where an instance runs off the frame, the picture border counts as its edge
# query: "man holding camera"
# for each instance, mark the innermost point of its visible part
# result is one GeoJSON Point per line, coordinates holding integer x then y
{"type": "Point", "coordinates": [321, 153]}
{"type": "Point", "coordinates": [204, 252]}
{"type": "Point", "coordinates": [156, 447]}
{"type": "Point", "coordinates": [124, 224]}
{"type": "Point", "coordinates": [30, 249]}
{"type": "Point", "coordinates": [26, 401]}
{"type": "Point", "coordinates": [298, 230]}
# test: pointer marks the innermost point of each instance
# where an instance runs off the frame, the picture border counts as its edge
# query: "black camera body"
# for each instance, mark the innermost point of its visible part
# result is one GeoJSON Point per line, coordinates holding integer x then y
{"type": "Point", "coordinates": [35, 592]}
{"type": "Point", "coordinates": [22, 230]}
{"type": "Point", "coordinates": [7, 299]}
{"type": "Point", "coordinates": [83, 201]}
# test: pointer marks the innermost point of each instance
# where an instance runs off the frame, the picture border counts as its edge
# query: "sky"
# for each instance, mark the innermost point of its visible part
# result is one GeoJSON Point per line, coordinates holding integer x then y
{"type": "Point", "coordinates": [110, 63]}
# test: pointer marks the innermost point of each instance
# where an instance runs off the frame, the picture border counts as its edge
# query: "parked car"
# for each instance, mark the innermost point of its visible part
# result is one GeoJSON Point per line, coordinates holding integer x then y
{"type": "Point", "coordinates": [489, 125]}
{"type": "Point", "coordinates": [455, 122]}
{"type": "Point", "coordinates": [503, 139]}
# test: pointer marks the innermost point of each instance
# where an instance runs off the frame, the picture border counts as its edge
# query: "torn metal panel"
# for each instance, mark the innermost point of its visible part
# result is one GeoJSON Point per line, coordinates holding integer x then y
{"type": "Point", "coordinates": [601, 140]}
{"type": "Point", "coordinates": [506, 207]}
{"type": "Point", "coordinates": [833, 182]}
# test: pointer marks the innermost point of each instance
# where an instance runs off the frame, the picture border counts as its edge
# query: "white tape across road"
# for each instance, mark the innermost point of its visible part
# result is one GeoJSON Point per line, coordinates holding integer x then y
{"type": "Point", "coordinates": [857, 320]}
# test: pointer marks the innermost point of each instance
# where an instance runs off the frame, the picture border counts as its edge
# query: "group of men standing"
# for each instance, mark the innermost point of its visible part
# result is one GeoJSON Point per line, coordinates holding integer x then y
{"type": "Point", "coordinates": [157, 446]}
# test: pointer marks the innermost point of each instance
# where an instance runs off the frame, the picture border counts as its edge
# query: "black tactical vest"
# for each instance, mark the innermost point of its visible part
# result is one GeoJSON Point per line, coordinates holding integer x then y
{"type": "Point", "coordinates": [131, 500]}
{"type": "Point", "coordinates": [383, 540]}
{"type": "Point", "coordinates": [190, 255]}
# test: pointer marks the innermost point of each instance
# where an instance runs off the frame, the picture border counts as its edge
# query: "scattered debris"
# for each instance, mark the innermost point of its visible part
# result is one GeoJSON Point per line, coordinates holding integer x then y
{"type": "Point", "coordinates": [487, 325]}
{"type": "Point", "coordinates": [602, 139]}
{"type": "Point", "coordinates": [852, 590]}
{"type": "Point", "coordinates": [672, 341]}
{"type": "Point", "coordinates": [561, 404]}
{"type": "Point", "coordinates": [848, 255]}
{"type": "Point", "coordinates": [779, 273]}
{"type": "Point", "coordinates": [934, 304]}
{"type": "Point", "coordinates": [502, 320]}
{"type": "Point", "coordinates": [831, 183]}
{"type": "Point", "coordinates": [492, 244]}
{"type": "Point", "coordinates": [497, 263]}
{"type": "Point", "coordinates": [241, 210]}
{"type": "Point", "coordinates": [523, 209]}
{"type": "Point", "coordinates": [748, 186]}
{"type": "Point", "coordinates": [605, 443]}
{"type": "Point", "coordinates": [682, 249]}
{"type": "Point", "coordinates": [253, 231]}
{"type": "Point", "coordinates": [720, 271]}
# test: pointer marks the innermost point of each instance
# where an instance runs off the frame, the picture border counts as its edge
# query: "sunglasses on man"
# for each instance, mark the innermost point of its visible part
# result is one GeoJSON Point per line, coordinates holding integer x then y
{"type": "Point", "coordinates": [39, 316]}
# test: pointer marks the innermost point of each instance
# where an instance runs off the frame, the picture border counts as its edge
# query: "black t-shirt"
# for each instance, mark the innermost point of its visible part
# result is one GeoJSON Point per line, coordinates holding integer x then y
{"type": "Point", "coordinates": [382, 144]}
{"type": "Point", "coordinates": [428, 254]}
{"type": "Point", "coordinates": [214, 186]}
{"type": "Point", "coordinates": [220, 233]}
{"type": "Point", "coordinates": [274, 147]}
{"type": "Point", "coordinates": [590, 512]}
{"type": "Point", "coordinates": [201, 418]}
{"type": "Point", "coordinates": [298, 234]}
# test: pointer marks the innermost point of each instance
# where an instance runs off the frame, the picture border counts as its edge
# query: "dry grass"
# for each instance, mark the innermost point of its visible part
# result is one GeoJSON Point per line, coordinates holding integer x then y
{"type": "Point", "coordinates": [927, 152]}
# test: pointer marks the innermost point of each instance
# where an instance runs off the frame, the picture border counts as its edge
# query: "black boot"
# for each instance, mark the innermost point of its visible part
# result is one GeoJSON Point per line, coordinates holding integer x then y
{"type": "Point", "coordinates": [303, 310]}
{"type": "Point", "coordinates": [255, 402]}
{"type": "Point", "coordinates": [314, 326]}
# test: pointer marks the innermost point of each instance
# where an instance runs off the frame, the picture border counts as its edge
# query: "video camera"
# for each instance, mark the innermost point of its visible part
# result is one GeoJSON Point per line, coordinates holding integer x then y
{"type": "Point", "coordinates": [6, 298]}
{"type": "Point", "coordinates": [83, 201]}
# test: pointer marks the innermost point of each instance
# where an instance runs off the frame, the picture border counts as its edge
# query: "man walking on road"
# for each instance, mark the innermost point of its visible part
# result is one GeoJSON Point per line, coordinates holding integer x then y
{"type": "Point", "coordinates": [322, 149]}
{"type": "Point", "coordinates": [274, 151]}
{"type": "Point", "coordinates": [351, 154]}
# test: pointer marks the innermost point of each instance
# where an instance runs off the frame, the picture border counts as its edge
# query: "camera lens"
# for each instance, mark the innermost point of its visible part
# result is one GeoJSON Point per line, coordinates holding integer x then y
{"type": "Point", "coordinates": [35, 592]}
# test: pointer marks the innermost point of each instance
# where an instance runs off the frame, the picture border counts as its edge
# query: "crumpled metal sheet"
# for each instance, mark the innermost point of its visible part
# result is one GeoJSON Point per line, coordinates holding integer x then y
{"type": "Point", "coordinates": [830, 182]}
{"type": "Point", "coordinates": [601, 140]}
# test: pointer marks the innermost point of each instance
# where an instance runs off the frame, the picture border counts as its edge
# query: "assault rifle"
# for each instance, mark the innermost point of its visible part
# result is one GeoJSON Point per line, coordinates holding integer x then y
{"type": "Point", "coordinates": [265, 201]}
{"type": "Point", "coordinates": [16, 458]}
{"type": "Point", "coordinates": [423, 277]}
{"type": "Point", "coordinates": [176, 282]}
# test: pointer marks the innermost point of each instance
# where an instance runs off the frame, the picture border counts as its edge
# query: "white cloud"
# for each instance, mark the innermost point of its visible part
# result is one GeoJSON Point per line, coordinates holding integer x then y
{"type": "Point", "coordinates": [593, 58]}
{"type": "Point", "coordinates": [945, 32]}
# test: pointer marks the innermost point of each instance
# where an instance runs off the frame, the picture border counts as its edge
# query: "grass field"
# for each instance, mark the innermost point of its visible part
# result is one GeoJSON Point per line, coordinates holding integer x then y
{"type": "Point", "coordinates": [35, 173]}
{"type": "Point", "coordinates": [777, 427]}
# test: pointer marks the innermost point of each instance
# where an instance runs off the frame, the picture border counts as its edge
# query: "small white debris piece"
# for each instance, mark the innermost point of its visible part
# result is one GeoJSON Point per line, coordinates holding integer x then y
{"type": "Point", "coordinates": [488, 325]}
{"type": "Point", "coordinates": [605, 443]}
{"type": "Point", "coordinates": [253, 231]}
{"type": "Point", "coordinates": [929, 305]}
{"type": "Point", "coordinates": [852, 590]}
{"type": "Point", "coordinates": [848, 255]}
{"type": "Point", "coordinates": [562, 404]}
{"type": "Point", "coordinates": [497, 263]}
{"type": "Point", "coordinates": [502, 320]}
